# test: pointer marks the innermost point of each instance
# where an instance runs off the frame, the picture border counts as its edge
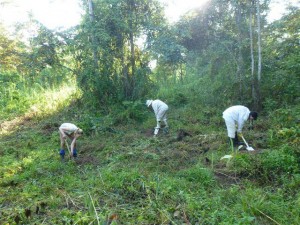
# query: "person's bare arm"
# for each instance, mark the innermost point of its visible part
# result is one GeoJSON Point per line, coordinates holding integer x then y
{"type": "Point", "coordinates": [62, 132]}
{"type": "Point", "coordinates": [74, 142]}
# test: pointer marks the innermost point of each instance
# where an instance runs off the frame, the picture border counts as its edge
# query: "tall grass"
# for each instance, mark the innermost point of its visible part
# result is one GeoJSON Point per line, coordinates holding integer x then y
{"type": "Point", "coordinates": [19, 97]}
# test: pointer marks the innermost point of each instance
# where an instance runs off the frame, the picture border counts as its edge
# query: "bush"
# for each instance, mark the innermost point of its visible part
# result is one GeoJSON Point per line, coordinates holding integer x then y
{"type": "Point", "coordinates": [277, 162]}
{"type": "Point", "coordinates": [245, 164]}
{"type": "Point", "coordinates": [129, 110]}
{"type": "Point", "coordinates": [198, 174]}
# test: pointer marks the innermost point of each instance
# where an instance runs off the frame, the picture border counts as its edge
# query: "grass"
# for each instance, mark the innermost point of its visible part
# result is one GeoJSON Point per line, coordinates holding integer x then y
{"type": "Point", "coordinates": [125, 176]}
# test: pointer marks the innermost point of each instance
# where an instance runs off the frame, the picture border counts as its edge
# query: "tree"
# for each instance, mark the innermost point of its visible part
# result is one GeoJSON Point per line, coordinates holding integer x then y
{"type": "Point", "coordinates": [282, 61]}
{"type": "Point", "coordinates": [253, 79]}
{"type": "Point", "coordinates": [221, 41]}
{"type": "Point", "coordinates": [116, 27]}
{"type": "Point", "coordinates": [257, 95]}
{"type": "Point", "coordinates": [9, 51]}
{"type": "Point", "coordinates": [94, 43]}
{"type": "Point", "coordinates": [168, 51]}
{"type": "Point", "coordinates": [240, 65]}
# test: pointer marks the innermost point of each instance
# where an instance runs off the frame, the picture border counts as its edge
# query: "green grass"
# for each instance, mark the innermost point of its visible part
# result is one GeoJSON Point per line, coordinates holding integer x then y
{"type": "Point", "coordinates": [125, 176]}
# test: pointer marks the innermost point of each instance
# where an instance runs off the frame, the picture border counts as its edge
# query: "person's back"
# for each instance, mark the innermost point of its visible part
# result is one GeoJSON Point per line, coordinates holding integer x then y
{"type": "Point", "coordinates": [235, 117]}
{"type": "Point", "coordinates": [68, 128]}
{"type": "Point", "coordinates": [159, 106]}
{"type": "Point", "coordinates": [160, 110]}
{"type": "Point", "coordinates": [238, 113]}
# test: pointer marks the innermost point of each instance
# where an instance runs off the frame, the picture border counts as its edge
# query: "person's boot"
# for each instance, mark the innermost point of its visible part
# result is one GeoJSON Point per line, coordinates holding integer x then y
{"type": "Point", "coordinates": [74, 153]}
{"type": "Point", "coordinates": [166, 130]}
{"type": "Point", "coordinates": [62, 154]}
{"type": "Point", "coordinates": [236, 140]}
{"type": "Point", "coordinates": [233, 141]}
{"type": "Point", "coordinates": [156, 130]}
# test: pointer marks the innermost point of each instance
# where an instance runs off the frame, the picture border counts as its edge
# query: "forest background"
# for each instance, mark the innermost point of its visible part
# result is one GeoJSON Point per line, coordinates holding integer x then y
{"type": "Point", "coordinates": [99, 74]}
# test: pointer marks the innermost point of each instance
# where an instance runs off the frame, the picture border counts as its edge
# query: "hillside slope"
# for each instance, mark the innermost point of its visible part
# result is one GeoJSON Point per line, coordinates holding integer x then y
{"type": "Point", "coordinates": [125, 176]}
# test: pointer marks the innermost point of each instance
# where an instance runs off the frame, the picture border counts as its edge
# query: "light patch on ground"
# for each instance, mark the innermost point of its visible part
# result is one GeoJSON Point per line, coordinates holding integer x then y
{"type": "Point", "coordinates": [51, 102]}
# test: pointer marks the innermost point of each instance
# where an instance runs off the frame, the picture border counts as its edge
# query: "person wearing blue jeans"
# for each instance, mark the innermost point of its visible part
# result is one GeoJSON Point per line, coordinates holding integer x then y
{"type": "Point", "coordinates": [71, 131]}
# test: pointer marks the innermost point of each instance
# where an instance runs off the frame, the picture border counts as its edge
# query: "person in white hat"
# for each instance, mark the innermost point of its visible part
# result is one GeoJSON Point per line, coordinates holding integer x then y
{"type": "Point", "coordinates": [71, 131]}
{"type": "Point", "coordinates": [160, 109]}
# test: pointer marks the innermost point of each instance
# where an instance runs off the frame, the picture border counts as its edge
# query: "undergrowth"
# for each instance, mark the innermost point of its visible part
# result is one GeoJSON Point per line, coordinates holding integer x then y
{"type": "Point", "coordinates": [125, 176]}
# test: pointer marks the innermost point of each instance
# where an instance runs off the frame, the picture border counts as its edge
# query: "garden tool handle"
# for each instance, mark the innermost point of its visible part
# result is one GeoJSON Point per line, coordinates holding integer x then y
{"type": "Point", "coordinates": [68, 147]}
{"type": "Point", "coordinates": [245, 141]}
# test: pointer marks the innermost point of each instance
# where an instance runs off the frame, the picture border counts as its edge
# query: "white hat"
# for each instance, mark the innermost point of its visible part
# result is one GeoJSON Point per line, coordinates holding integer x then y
{"type": "Point", "coordinates": [148, 102]}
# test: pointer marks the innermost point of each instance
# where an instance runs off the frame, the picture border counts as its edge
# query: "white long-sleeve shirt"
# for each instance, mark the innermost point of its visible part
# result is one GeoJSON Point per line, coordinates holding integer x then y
{"type": "Point", "coordinates": [239, 114]}
{"type": "Point", "coordinates": [160, 108]}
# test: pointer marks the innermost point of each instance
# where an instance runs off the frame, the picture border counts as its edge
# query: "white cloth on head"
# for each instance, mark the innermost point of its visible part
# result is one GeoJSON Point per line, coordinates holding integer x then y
{"type": "Point", "coordinates": [235, 115]}
{"type": "Point", "coordinates": [148, 102]}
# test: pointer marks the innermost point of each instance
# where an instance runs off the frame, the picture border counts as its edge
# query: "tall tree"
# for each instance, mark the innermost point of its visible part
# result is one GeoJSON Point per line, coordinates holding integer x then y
{"type": "Point", "coordinates": [282, 61]}
{"type": "Point", "coordinates": [168, 52]}
{"type": "Point", "coordinates": [94, 43]}
{"type": "Point", "coordinates": [217, 41]}
{"type": "Point", "coordinates": [117, 26]}
{"type": "Point", "coordinates": [10, 50]}
{"type": "Point", "coordinates": [258, 97]}
{"type": "Point", "coordinates": [253, 79]}
{"type": "Point", "coordinates": [240, 65]}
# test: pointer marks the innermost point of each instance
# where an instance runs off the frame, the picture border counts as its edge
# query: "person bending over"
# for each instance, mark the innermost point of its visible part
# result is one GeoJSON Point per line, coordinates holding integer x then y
{"type": "Point", "coordinates": [71, 131]}
{"type": "Point", "coordinates": [235, 118]}
{"type": "Point", "coordinates": [160, 110]}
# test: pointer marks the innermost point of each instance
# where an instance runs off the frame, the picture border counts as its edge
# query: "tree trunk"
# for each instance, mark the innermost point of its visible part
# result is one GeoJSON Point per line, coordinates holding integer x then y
{"type": "Point", "coordinates": [94, 44]}
{"type": "Point", "coordinates": [126, 85]}
{"type": "Point", "coordinates": [181, 73]}
{"type": "Point", "coordinates": [258, 97]}
{"type": "Point", "coordinates": [252, 53]}
{"type": "Point", "coordinates": [240, 64]}
{"type": "Point", "coordinates": [132, 60]}
{"type": "Point", "coordinates": [258, 41]}
{"type": "Point", "coordinates": [131, 40]}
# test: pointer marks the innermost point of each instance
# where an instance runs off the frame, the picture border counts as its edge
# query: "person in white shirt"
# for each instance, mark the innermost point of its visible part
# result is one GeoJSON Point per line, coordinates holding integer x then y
{"type": "Point", "coordinates": [72, 132]}
{"type": "Point", "coordinates": [160, 110]}
{"type": "Point", "coordinates": [235, 118]}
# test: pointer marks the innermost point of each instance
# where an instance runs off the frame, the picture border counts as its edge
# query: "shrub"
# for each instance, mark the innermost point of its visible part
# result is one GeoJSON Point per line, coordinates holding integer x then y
{"type": "Point", "coordinates": [198, 174]}
{"type": "Point", "coordinates": [277, 162]}
{"type": "Point", "coordinates": [129, 110]}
